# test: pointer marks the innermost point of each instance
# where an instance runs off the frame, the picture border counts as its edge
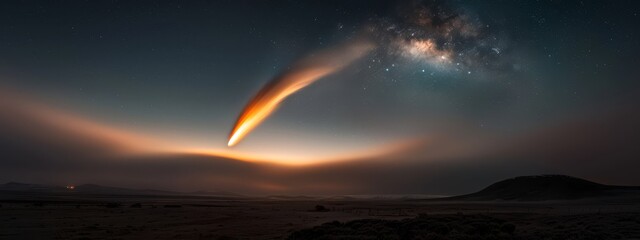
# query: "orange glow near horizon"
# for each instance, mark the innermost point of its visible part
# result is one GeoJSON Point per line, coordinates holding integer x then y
{"type": "Point", "coordinates": [369, 152]}
{"type": "Point", "coordinates": [122, 142]}
{"type": "Point", "coordinates": [303, 73]}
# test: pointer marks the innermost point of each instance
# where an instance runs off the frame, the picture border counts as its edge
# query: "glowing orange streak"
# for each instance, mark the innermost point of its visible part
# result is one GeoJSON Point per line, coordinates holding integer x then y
{"type": "Point", "coordinates": [18, 107]}
{"type": "Point", "coordinates": [304, 72]}
{"type": "Point", "coordinates": [379, 151]}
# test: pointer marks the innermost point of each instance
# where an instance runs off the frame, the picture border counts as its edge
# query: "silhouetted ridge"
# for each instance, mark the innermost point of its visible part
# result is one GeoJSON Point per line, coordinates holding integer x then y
{"type": "Point", "coordinates": [545, 187]}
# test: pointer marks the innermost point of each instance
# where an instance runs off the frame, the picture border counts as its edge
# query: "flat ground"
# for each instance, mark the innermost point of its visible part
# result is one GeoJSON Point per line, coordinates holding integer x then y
{"type": "Point", "coordinates": [139, 217]}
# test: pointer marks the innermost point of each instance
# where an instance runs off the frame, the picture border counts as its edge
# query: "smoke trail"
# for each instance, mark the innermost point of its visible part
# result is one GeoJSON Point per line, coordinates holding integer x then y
{"type": "Point", "coordinates": [303, 73]}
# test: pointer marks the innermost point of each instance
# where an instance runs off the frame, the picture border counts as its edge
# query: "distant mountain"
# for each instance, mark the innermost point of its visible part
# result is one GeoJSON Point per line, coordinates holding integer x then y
{"type": "Point", "coordinates": [99, 190]}
{"type": "Point", "coordinates": [215, 193]}
{"type": "Point", "coordinates": [291, 197]}
{"type": "Point", "coordinates": [546, 187]}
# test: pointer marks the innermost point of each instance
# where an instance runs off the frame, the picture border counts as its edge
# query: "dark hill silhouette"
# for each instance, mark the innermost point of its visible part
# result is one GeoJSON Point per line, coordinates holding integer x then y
{"type": "Point", "coordinates": [546, 187]}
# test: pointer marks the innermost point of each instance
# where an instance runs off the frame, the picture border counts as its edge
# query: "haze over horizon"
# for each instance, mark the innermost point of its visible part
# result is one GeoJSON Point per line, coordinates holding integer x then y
{"type": "Point", "coordinates": [449, 96]}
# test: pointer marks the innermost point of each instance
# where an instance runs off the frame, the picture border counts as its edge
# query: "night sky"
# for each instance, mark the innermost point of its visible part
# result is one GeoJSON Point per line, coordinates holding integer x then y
{"type": "Point", "coordinates": [442, 97]}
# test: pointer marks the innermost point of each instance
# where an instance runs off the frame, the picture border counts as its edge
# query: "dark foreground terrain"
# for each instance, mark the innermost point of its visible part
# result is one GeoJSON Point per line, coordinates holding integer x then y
{"type": "Point", "coordinates": [484, 226]}
{"type": "Point", "coordinates": [68, 216]}
{"type": "Point", "coordinates": [530, 207]}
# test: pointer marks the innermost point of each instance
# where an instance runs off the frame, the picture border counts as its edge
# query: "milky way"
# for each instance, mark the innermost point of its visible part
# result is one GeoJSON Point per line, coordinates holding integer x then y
{"type": "Point", "coordinates": [441, 35]}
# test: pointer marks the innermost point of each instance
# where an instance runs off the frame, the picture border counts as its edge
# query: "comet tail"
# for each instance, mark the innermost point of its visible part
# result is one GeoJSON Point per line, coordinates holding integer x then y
{"type": "Point", "coordinates": [303, 73]}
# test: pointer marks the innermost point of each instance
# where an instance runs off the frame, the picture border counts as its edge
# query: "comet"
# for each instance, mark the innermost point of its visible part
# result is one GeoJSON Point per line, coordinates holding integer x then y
{"type": "Point", "coordinates": [302, 73]}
